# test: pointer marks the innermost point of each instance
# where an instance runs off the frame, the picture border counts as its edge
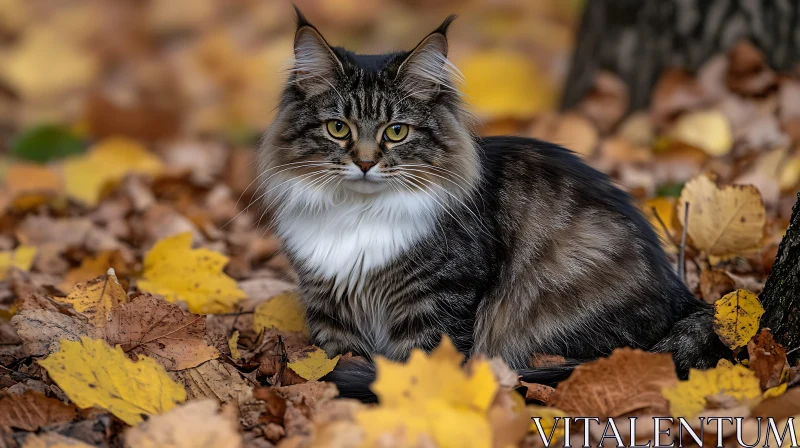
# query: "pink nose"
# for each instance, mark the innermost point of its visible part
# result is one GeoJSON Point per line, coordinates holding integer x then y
{"type": "Point", "coordinates": [365, 166]}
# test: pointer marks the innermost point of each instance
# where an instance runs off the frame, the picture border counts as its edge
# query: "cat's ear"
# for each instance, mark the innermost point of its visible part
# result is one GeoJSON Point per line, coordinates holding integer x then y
{"type": "Point", "coordinates": [315, 64]}
{"type": "Point", "coordinates": [426, 70]}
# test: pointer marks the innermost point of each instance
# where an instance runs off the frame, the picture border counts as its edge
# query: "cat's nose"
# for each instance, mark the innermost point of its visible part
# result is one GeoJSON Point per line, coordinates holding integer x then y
{"type": "Point", "coordinates": [365, 165]}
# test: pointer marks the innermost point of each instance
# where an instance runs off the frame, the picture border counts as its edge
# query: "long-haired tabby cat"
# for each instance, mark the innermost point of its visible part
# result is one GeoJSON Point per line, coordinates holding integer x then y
{"type": "Point", "coordinates": [404, 226]}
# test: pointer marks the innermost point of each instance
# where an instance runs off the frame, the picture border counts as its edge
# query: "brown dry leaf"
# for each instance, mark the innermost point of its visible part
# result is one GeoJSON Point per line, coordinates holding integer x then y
{"type": "Point", "coordinates": [724, 221]}
{"type": "Point", "coordinates": [42, 330]}
{"type": "Point", "coordinates": [571, 131]}
{"type": "Point", "coordinates": [627, 381]}
{"type": "Point", "coordinates": [95, 298]}
{"type": "Point", "coordinates": [153, 327]}
{"type": "Point", "coordinates": [32, 410]}
{"type": "Point", "coordinates": [32, 181]}
{"type": "Point", "coordinates": [195, 424]}
{"type": "Point", "coordinates": [768, 360]}
{"type": "Point", "coordinates": [607, 102]}
{"type": "Point", "coordinates": [224, 383]}
{"type": "Point", "coordinates": [748, 72]}
{"type": "Point", "coordinates": [715, 284]}
{"type": "Point", "coordinates": [538, 392]}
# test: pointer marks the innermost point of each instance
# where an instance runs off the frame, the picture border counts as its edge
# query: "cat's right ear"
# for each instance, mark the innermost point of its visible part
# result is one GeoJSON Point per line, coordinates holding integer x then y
{"type": "Point", "coordinates": [315, 64]}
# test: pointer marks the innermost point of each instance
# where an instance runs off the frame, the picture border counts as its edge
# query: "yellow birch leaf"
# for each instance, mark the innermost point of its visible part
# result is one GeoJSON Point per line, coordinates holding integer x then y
{"type": "Point", "coordinates": [504, 84]}
{"type": "Point", "coordinates": [723, 222]}
{"type": "Point", "coordinates": [233, 345]}
{"type": "Point", "coordinates": [737, 316]}
{"type": "Point", "coordinates": [313, 366]}
{"type": "Point", "coordinates": [432, 397]}
{"type": "Point", "coordinates": [93, 374]}
{"type": "Point", "coordinates": [176, 271]}
{"type": "Point", "coordinates": [708, 130]}
{"type": "Point", "coordinates": [283, 312]}
{"type": "Point", "coordinates": [665, 209]}
{"type": "Point", "coordinates": [20, 258]}
{"type": "Point", "coordinates": [688, 398]}
{"type": "Point", "coordinates": [107, 162]}
{"type": "Point", "coordinates": [95, 298]}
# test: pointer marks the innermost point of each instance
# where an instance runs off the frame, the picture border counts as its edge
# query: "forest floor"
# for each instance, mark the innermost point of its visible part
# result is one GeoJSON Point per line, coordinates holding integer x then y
{"type": "Point", "coordinates": [145, 302]}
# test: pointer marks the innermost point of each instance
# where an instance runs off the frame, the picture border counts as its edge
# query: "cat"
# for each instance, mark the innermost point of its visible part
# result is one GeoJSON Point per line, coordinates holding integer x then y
{"type": "Point", "coordinates": [403, 225]}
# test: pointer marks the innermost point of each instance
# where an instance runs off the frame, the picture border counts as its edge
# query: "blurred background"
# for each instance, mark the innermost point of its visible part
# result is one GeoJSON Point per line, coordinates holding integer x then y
{"type": "Point", "coordinates": [139, 119]}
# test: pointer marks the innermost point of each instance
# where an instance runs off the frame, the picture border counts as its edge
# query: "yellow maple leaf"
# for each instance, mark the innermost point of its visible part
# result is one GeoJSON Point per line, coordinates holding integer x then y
{"type": "Point", "coordinates": [95, 298]}
{"type": "Point", "coordinates": [737, 316]}
{"type": "Point", "coordinates": [20, 258]}
{"type": "Point", "coordinates": [93, 374]}
{"type": "Point", "coordinates": [107, 162]}
{"type": "Point", "coordinates": [688, 398]}
{"type": "Point", "coordinates": [176, 271]}
{"type": "Point", "coordinates": [504, 84]}
{"type": "Point", "coordinates": [284, 312]}
{"type": "Point", "coordinates": [432, 396]}
{"type": "Point", "coordinates": [723, 222]}
{"type": "Point", "coordinates": [91, 267]}
{"type": "Point", "coordinates": [314, 365]}
{"type": "Point", "coordinates": [708, 130]}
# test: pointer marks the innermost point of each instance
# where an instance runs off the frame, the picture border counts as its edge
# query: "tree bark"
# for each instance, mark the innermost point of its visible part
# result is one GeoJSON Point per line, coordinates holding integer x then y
{"type": "Point", "coordinates": [638, 39]}
{"type": "Point", "coordinates": [781, 295]}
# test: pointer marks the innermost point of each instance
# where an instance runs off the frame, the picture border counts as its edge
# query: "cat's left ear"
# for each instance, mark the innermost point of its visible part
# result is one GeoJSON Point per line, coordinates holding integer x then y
{"type": "Point", "coordinates": [426, 70]}
{"type": "Point", "coordinates": [315, 63]}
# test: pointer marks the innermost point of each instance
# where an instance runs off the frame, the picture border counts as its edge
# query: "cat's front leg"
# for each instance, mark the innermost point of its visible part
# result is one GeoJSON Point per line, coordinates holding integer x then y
{"type": "Point", "coordinates": [332, 334]}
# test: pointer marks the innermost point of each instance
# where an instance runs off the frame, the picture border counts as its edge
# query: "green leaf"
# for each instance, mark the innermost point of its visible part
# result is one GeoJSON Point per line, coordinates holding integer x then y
{"type": "Point", "coordinates": [669, 190]}
{"type": "Point", "coordinates": [46, 142]}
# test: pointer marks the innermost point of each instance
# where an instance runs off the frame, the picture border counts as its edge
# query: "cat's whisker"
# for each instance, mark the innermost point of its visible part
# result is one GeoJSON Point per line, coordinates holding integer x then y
{"type": "Point", "coordinates": [297, 179]}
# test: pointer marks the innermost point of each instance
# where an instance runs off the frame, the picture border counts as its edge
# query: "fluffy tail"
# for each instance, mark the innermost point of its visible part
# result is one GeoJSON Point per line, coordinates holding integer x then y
{"type": "Point", "coordinates": [353, 377]}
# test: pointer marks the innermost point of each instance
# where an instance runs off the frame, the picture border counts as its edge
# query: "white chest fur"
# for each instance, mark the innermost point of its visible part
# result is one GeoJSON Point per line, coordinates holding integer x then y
{"type": "Point", "coordinates": [344, 236]}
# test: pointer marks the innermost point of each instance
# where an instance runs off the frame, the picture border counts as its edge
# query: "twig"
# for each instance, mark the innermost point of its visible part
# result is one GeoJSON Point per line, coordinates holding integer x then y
{"type": "Point", "coordinates": [682, 247]}
{"type": "Point", "coordinates": [663, 226]}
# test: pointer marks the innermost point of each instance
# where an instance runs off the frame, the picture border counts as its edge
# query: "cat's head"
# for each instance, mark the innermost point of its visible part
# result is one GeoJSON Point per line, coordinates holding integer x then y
{"type": "Point", "coordinates": [368, 126]}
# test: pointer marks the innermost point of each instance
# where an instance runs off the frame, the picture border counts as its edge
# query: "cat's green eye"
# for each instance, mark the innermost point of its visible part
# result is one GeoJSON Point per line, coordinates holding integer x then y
{"type": "Point", "coordinates": [338, 129]}
{"type": "Point", "coordinates": [396, 132]}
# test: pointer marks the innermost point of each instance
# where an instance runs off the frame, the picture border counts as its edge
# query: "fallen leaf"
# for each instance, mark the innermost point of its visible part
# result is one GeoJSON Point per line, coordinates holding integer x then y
{"type": "Point", "coordinates": [571, 131]}
{"type": "Point", "coordinates": [551, 422]}
{"type": "Point", "coordinates": [689, 398]}
{"type": "Point", "coordinates": [176, 271]}
{"type": "Point", "coordinates": [95, 298]}
{"type": "Point", "coordinates": [768, 360]}
{"type": "Point", "coordinates": [41, 46]}
{"type": "Point", "coordinates": [107, 161]}
{"type": "Point", "coordinates": [737, 316]}
{"type": "Point", "coordinates": [32, 410]}
{"type": "Point", "coordinates": [722, 221]}
{"type": "Point", "coordinates": [93, 374]}
{"type": "Point", "coordinates": [707, 130]}
{"type": "Point", "coordinates": [660, 212]}
{"type": "Point", "coordinates": [313, 365]}
{"type": "Point", "coordinates": [431, 397]}
{"type": "Point", "coordinates": [538, 392]}
{"type": "Point", "coordinates": [519, 92]}
{"type": "Point", "coordinates": [628, 381]}
{"type": "Point", "coordinates": [94, 266]}
{"type": "Point", "coordinates": [150, 326]}
{"type": "Point", "coordinates": [173, 429]}
{"type": "Point", "coordinates": [42, 331]}
{"type": "Point", "coordinates": [30, 179]}
{"type": "Point", "coordinates": [283, 312]}
{"type": "Point", "coordinates": [20, 258]}
{"type": "Point", "coordinates": [233, 345]}
{"type": "Point", "coordinates": [714, 284]}
{"type": "Point", "coordinates": [224, 383]}
{"type": "Point", "coordinates": [44, 143]}
{"type": "Point", "coordinates": [52, 440]}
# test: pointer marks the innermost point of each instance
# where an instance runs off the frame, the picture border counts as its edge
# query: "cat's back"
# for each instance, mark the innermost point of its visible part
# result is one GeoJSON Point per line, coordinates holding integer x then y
{"type": "Point", "coordinates": [575, 257]}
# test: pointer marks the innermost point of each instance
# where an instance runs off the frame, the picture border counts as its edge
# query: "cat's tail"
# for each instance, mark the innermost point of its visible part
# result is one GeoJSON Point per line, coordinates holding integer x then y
{"type": "Point", "coordinates": [353, 377]}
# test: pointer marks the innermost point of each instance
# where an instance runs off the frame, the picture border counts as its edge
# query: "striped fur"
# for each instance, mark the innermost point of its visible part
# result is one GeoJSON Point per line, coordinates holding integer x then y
{"type": "Point", "coordinates": [510, 246]}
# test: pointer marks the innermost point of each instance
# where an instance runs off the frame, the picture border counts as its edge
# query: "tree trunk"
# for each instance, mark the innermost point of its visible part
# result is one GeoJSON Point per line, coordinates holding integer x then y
{"type": "Point", "coordinates": [781, 295]}
{"type": "Point", "coordinates": [638, 39]}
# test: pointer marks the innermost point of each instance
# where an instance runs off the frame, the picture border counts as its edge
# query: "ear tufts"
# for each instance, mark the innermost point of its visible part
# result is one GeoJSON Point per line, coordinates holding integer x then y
{"type": "Point", "coordinates": [445, 25]}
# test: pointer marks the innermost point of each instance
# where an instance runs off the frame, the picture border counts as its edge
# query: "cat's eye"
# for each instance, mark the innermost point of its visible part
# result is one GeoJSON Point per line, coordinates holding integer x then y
{"type": "Point", "coordinates": [396, 132]}
{"type": "Point", "coordinates": [338, 129]}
